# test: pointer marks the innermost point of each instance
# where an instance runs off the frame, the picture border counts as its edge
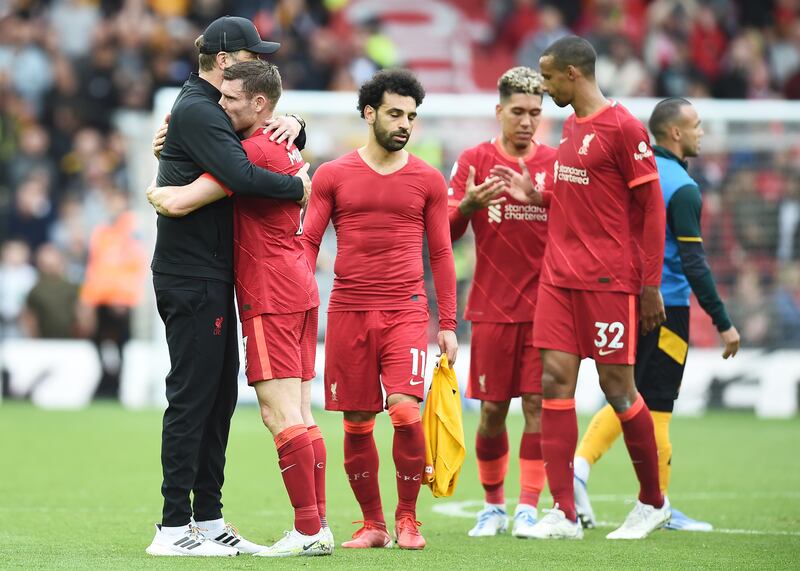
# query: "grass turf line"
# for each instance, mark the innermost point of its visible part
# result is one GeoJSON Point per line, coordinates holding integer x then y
{"type": "Point", "coordinates": [81, 490]}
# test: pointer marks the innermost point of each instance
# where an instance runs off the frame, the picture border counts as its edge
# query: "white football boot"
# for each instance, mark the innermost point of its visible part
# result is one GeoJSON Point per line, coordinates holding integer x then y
{"type": "Point", "coordinates": [328, 541]}
{"type": "Point", "coordinates": [230, 537]}
{"type": "Point", "coordinates": [525, 517]}
{"type": "Point", "coordinates": [492, 520]}
{"type": "Point", "coordinates": [295, 544]}
{"type": "Point", "coordinates": [190, 543]}
{"type": "Point", "coordinates": [642, 521]}
{"type": "Point", "coordinates": [555, 525]}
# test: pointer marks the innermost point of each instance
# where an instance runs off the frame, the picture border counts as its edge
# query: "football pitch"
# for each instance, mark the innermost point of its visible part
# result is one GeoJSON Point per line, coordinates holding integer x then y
{"type": "Point", "coordinates": [81, 490]}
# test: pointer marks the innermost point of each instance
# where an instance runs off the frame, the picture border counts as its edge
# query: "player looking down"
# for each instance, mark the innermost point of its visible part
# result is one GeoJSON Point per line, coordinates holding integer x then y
{"type": "Point", "coordinates": [600, 278]}
{"type": "Point", "coordinates": [278, 300]}
{"type": "Point", "coordinates": [509, 245]}
{"type": "Point", "coordinates": [382, 199]}
{"type": "Point", "coordinates": [661, 354]}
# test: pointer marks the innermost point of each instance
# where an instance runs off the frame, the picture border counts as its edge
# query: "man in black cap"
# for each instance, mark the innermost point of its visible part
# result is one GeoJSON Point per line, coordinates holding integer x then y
{"type": "Point", "coordinates": [193, 280]}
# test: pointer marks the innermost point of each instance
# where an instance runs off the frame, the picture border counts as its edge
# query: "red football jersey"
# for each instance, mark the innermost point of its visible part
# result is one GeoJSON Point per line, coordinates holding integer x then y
{"type": "Point", "coordinates": [270, 266]}
{"type": "Point", "coordinates": [379, 222]}
{"type": "Point", "coordinates": [509, 237]}
{"type": "Point", "coordinates": [595, 225]}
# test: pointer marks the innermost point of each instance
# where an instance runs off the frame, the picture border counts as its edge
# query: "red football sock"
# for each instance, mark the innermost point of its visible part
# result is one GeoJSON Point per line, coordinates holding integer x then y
{"type": "Point", "coordinates": [531, 468]}
{"type": "Point", "coordinates": [408, 451]}
{"type": "Point", "coordinates": [296, 459]}
{"type": "Point", "coordinates": [361, 466]}
{"type": "Point", "coordinates": [637, 428]}
{"type": "Point", "coordinates": [559, 440]}
{"type": "Point", "coordinates": [492, 454]}
{"type": "Point", "coordinates": [320, 458]}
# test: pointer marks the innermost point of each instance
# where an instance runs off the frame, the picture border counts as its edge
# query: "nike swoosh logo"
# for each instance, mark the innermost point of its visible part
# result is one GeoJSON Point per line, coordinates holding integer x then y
{"type": "Point", "coordinates": [415, 383]}
{"type": "Point", "coordinates": [287, 467]}
{"type": "Point", "coordinates": [604, 352]}
{"type": "Point", "coordinates": [562, 141]}
{"type": "Point", "coordinates": [310, 545]}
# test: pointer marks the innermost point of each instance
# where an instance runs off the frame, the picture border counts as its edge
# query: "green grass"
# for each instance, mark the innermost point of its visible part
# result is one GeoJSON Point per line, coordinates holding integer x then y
{"type": "Point", "coordinates": [81, 490]}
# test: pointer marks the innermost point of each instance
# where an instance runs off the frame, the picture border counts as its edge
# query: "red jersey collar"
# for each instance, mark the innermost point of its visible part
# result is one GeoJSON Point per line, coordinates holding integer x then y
{"type": "Point", "coordinates": [611, 103]}
{"type": "Point", "coordinates": [499, 146]}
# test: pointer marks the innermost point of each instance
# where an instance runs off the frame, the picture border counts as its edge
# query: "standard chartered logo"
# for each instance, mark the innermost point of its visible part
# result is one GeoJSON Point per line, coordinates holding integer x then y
{"type": "Point", "coordinates": [526, 212]}
{"type": "Point", "coordinates": [573, 174]}
{"type": "Point", "coordinates": [495, 213]}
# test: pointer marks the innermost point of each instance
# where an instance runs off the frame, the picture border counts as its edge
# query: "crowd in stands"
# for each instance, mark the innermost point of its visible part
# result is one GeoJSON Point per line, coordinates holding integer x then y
{"type": "Point", "coordinates": [70, 247]}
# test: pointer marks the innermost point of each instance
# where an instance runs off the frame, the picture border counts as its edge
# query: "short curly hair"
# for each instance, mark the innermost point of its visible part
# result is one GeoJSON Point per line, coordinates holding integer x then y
{"type": "Point", "coordinates": [520, 79]}
{"type": "Point", "coordinates": [399, 81]}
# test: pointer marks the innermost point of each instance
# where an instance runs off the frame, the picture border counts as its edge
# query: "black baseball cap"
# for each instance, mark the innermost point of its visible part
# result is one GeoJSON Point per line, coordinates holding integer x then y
{"type": "Point", "coordinates": [231, 34]}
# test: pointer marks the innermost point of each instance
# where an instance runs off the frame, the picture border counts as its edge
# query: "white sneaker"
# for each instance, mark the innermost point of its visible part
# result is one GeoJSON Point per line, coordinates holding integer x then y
{"type": "Point", "coordinates": [524, 519]}
{"type": "Point", "coordinates": [230, 537]}
{"type": "Point", "coordinates": [555, 525]}
{"type": "Point", "coordinates": [642, 521]}
{"type": "Point", "coordinates": [295, 544]}
{"type": "Point", "coordinates": [583, 506]}
{"type": "Point", "coordinates": [492, 520]}
{"type": "Point", "coordinates": [328, 541]}
{"type": "Point", "coordinates": [191, 543]}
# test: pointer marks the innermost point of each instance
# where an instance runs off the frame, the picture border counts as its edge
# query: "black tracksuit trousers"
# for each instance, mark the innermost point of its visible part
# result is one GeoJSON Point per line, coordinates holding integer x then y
{"type": "Point", "coordinates": [200, 321]}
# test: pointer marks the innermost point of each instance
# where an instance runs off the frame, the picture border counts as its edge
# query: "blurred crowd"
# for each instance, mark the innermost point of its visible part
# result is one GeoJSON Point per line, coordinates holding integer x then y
{"type": "Point", "coordinates": [72, 261]}
{"type": "Point", "coordinates": [732, 49]}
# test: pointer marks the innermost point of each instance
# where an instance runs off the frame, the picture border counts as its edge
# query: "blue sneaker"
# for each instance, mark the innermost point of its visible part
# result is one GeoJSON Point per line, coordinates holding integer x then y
{"type": "Point", "coordinates": [681, 522]}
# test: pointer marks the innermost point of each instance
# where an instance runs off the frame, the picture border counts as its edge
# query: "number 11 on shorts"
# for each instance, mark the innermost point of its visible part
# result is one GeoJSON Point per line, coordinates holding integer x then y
{"type": "Point", "coordinates": [417, 362]}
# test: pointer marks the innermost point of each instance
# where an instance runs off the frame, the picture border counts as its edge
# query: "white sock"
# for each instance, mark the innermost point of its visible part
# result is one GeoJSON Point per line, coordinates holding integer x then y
{"type": "Point", "coordinates": [212, 525]}
{"type": "Point", "coordinates": [582, 468]}
{"type": "Point", "coordinates": [174, 531]}
{"type": "Point", "coordinates": [498, 506]}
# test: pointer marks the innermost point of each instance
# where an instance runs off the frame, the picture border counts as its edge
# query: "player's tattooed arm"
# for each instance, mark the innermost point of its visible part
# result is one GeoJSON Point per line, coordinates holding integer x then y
{"type": "Point", "coordinates": [518, 184]}
{"type": "Point", "coordinates": [177, 201]}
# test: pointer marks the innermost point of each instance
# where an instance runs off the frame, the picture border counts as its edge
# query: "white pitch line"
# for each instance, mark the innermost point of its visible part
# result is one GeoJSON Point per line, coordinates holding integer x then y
{"type": "Point", "coordinates": [468, 509]}
{"type": "Point", "coordinates": [614, 525]}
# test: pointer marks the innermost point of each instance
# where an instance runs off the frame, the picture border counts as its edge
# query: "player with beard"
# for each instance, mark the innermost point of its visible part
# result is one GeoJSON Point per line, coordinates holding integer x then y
{"type": "Point", "coordinates": [382, 200]}
{"type": "Point", "coordinates": [510, 237]}
{"type": "Point", "coordinates": [661, 354]}
{"type": "Point", "coordinates": [601, 275]}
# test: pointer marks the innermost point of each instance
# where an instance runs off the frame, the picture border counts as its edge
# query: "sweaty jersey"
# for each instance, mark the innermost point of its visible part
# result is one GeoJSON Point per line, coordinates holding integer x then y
{"type": "Point", "coordinates": [379, 221]}
{"type": "Point", "coordinates": [595, 224]}
{"type": "Point", "coordinates": [509, 237]}
{"type": "Point", "coordinates": [271, 270]}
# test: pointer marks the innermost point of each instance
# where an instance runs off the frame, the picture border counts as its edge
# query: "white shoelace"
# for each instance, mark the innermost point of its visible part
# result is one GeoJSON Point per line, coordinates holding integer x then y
{"type": "Point", "coordinates": [196, 533]}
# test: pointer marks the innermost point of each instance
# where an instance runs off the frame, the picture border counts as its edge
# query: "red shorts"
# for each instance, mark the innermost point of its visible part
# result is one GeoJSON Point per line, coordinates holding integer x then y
{"type": "Point", "coordinates": [367, 349]}
{"type": "Point", "coordinates": [602, 325]}
{"type": "Point", "coordinates": [503, 361]}
{"type": "Point", "coordinates": [280, 346]}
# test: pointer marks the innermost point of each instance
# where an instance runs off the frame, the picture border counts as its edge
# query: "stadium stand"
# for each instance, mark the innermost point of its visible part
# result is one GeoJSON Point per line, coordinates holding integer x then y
{"type": "Point", "coordinates": [68, 66]}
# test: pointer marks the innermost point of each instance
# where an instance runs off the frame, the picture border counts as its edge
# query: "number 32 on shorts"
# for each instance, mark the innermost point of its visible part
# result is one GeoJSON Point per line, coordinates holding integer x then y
{"type": "Point", "coordinates": [609, 336]}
